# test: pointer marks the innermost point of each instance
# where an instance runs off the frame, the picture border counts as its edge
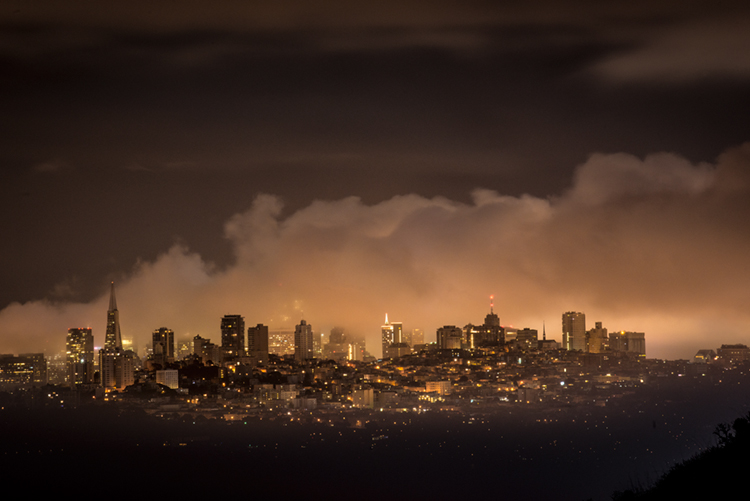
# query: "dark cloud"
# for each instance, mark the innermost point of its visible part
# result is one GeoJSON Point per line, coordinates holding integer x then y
{"type": "Point", "coordinates": [431, 144]}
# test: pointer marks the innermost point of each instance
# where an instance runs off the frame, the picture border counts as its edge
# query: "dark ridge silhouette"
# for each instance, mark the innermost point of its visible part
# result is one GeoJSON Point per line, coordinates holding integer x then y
{"type": "Point", "coordinates": [716, 473]}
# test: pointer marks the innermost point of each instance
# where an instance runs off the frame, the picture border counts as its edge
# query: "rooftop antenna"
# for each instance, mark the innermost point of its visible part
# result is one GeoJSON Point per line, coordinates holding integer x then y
{"type": "Point", "coordinates": [492, 304]}
{"type": "Point", "coordinates": [544, 332]}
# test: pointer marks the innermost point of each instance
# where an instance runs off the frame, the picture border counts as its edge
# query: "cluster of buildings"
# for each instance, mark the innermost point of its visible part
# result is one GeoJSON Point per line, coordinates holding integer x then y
{"type": "Point", "coordinates": [596, 340]}
{"type": "Point", "coordinates": [253, 368]}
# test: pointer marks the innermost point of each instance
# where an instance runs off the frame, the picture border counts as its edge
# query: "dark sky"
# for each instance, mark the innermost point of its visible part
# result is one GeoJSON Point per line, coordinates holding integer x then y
{"type": "Point", "coordinates": [204, 156]}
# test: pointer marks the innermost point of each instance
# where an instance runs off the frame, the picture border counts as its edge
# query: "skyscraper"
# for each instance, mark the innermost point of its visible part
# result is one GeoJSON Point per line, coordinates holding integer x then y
{"type": "Point", "coordinates": [79, 347]}
{"type": "Point", "coordinates": [116, 365]}
{"type": "Point", "coordinates": [163, 346]}
{"type": "Point", "coordinates": [449, 337]}
{"type": "Point", "coordinates": [417, 337]}
{"type": "Point", "coordinates": [574, 331]}
{"type": "Point", "coordinates": [387, 336]}
{"type": "Point", "coordinates": [257, 342]}
{"type": "Point", "coordinates": [113, 338]}
{"type": "Point", "coordinates": [303, 342]}
{"type": "Point", "coordinates": [233, 335]}
{"type": "Point", "coordinates": [596, 339]}
{"type": "Point", "coordinates": [489, 333]}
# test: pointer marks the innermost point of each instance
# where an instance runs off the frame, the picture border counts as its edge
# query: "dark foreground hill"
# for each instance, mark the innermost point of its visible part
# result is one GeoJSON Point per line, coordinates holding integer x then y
{"type": "Point", "coordinates": [716, 473]}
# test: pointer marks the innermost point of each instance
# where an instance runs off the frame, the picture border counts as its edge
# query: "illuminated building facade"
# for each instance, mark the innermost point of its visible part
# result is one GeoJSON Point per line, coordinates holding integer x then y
{"type": "Point", "coordinates": [528, 339]}
{"type": "Point", "coordinates": [391, 333]}
{"type": "Point", "coordinates": [629, 342]}
{"type": "Point", "coordinates": [233, 336]}
{"type": "Point", "coordinates": [597, 340]}
{"type": "Point", "coordinates": [116, 365]}
{"type": "Point", "coordinates": [112, 337]}
{"type": "Point", "coordinates": [206, 350]}
{"type": "Point", "coordinates": [163, 346]}
{"type": "Point", "coordinates": [26, 368]}
{"type": "Point", "coordinates": [169, 378]}
{"type": "Point", "coordinates": [574, 331]}
{"type": "Point", "coordinates": [449, 337]}
{"type": "Point", "coordinates": [303, 342]}
{"type": "Point", "coordinates": [79, 350]}
{"type": "Point", "coordinates": [488, 334]}
{"type": "Point", "coordinates": [386, 336]}
{"type": "Point", "coordinates": [731, 354]}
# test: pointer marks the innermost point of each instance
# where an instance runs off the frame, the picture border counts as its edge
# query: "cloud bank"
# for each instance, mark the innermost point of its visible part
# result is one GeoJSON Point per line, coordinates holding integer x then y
{"type": "Point", "coordinates": [655, 244]}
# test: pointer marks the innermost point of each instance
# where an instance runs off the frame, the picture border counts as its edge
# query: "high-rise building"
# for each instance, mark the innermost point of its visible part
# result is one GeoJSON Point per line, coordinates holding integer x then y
{"type": "Point", "coordinates": [112, 338]}
{"type": "Point", "coordinates": [449, 337]}
{"type": "Point", "coordinates": [492, 320]}
{"type": "Point", "coordinates": [303, 342]}
{"type": "Point", "coordinates": [398, 332]}
{"type": "Point", "coordinates": [574, 331]}
{"type": "Point", "coordinates": [417, 337]}
{"type": "Point", "coordinates": [116, 365]}
{"type": "Point", "coordinates": [281, 341]}
{"type": "Point", "coordinates": [630, 342]}
{"type": "Point", "coordinates": [24, 368]}
{"type": "Point", "coordinates": [596, 339]}
{"type": "Point", "coordinates": [163, 346]}
{"type": "Point", "coordinates": [257, 342]}
{"type": "Point", "coordinates": [338, 347]}
{"type": "Point", "coordinates": [206, 350]}
{"type": "Point", "coordinates": [79, 347]}
{"type": "Point", "coordinates": [233, 335]}
{"type": "Point", "coordinates": [386, 335]}
{"type": "Point", "coordinates": [488, 334]}
{"type": "Point", "coordinates": [391, 333]}
{"type": "Point", "coordinates": [528, 339]}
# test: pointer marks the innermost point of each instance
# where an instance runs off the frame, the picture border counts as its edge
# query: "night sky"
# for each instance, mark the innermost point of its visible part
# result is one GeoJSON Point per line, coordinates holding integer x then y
{"type": "Point", "coordinates": [289, 160]}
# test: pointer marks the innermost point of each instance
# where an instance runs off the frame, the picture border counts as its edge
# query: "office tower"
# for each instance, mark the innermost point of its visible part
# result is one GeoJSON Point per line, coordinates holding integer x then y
{"type": "Point", "coordinates": [233, 335]}
{"type": "Point", "coordinates": [398, 332]}
{"type": "Point", "coordinates": [596, 339]}
{"type": "Point", "coordinates": [574, 330]}
{"type": "Point", "coordinates": [257, 342]}
{"type": "Point", "coordinates": [492, 320]}
{"type": "Point", "coordinates": [338, 347]}
{"type": "Point", "coordinates": [417, 337]}
{"type": "Point", "coordinates": [206, 350]}
{"type": "Point", "coordinates": [397, 350]}
{"type": "Point", "coordinates": [79, 347]}
{"type": "Point", "coordinates": [281, 342]}
{"type": "Point", "coordinates": [303, 342]}
{"type": "Point", "coordinates": [489, 333]}
{"type": "Point", "coordinates": [337, 336]}
{"type": "Point", "coordinates": [528, 339]}
{"type": "Point", "coordinates": [24, 368]}
{"type": "Point", "coordinates": [198, 343]}
{"type": "Point", "coordinates": [356, 350]}
{"type": "Point", "coordinates": [112, 338]}
{"type": "Point", "coordinates": [630, 342]}
{"type": "Point", "coordinates": [449, 337]}
{"type": "Point", "coordinates": [163, 346]}
{"type": "Point", "coordinates": [116, 365]}
{"type": "Point", "coordinates": [386, 334]}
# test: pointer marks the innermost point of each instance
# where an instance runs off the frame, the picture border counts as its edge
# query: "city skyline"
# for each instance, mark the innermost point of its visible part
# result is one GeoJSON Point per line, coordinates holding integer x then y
{"type": "Point", "coordinates": [319, 162]}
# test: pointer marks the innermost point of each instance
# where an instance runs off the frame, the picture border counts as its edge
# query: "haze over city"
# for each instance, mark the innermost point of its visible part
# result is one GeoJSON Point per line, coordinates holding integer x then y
{"type": "Point", "coordinates": [297, 161]}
